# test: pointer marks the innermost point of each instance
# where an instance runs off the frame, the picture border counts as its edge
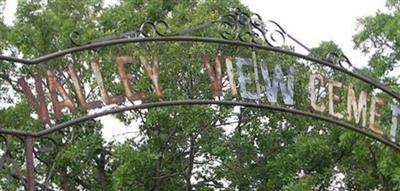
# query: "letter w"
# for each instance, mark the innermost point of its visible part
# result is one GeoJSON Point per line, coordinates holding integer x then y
{"type": "Point", "coordinates": [278, 80]}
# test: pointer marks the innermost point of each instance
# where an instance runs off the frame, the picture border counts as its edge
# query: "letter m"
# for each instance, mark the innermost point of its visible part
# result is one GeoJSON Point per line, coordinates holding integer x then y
{"type": "Point", "coordinates": [359, 109]}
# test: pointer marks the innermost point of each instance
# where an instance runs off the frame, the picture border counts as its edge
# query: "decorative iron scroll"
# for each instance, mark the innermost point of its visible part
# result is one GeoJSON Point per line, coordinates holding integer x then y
{"type": "Point", "coordinates": [74, 37]}
{"type": "Point", "coordinates": [339, 59]}
{"type": "Point", "coordinates": [239, 25]}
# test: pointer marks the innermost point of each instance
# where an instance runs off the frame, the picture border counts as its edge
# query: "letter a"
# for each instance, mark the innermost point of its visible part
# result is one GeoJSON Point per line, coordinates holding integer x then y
{"type": "Point", "coordinates": [57, 89]}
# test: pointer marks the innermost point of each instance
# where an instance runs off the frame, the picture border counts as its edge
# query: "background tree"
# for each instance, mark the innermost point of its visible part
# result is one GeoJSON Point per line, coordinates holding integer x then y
{"type": "Point", "coordinates": [184, 147]}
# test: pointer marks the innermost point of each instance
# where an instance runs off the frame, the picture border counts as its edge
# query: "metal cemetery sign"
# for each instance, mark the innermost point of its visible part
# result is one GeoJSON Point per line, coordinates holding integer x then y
{"type": "Point", "coordinates": [362, 110]}
{"type": "Point", "coordinates": [252, 65]}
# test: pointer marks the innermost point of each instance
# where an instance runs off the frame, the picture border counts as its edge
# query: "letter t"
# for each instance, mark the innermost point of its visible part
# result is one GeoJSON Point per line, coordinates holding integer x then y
{"type": "Point", "coordinates": [395, 114]}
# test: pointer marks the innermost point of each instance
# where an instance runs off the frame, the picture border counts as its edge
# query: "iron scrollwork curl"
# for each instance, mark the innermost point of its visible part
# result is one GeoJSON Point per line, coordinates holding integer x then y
{"type": "Point", "coordinates": [274, 35]}
{"type": "Point", "coordinates": [242, 26]}
{"type": "Point", "coordinates": [159, 28]}
{"type": "Point", "coordinates": [339, 59]}
{"type": "Point", "coordinates": [74, 37]}
{"type": "Point", "coordinates": [233, 25]}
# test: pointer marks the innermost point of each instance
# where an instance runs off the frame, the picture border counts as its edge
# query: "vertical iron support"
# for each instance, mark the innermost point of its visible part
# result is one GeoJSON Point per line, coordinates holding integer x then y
{"type": "Point", "coordinates": [30, 176]}
{"type": "Point", "coordinates": [253, 57]}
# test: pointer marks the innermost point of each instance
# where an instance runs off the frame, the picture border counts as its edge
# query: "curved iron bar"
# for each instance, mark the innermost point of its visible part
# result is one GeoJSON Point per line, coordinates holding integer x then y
{"type": "Point", "coordinates": [207, 40]}
{"type": "Point", "coordinates": [217, 102]}
{"type": "Point", "coordinates": [16, 132]}
{"type": "Point", "coordinates": [196, 28]}
{"type": "Point", "coordinates": [145, 30]}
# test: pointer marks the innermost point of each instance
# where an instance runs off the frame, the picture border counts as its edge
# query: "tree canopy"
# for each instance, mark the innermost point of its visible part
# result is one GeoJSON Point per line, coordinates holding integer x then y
{"type": "Point", "coordinates": [183, 147]}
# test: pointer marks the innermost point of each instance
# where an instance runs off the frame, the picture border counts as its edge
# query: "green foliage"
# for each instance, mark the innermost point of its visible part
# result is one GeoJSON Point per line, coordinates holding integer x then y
{"type": "Point", "coordinates": [188, 147]}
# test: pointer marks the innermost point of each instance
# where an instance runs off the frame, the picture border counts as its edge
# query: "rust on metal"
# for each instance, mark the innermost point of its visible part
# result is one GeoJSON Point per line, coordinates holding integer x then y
{"type": "Point", "coordinates": [56, 90]}
{"type": "Point", "coordinates": [108, 99]}
{"type": "Point", "coordinates": [127, 78]}
{"type": "Point", "coordinates": [375, 102]}
{"type": "Point", "coordinates": [231, 76]}
{"type": "Point", "coordinates": [80, 93]}
{"type": "Point", "coordinates": [360, 109]}
{"type": "Point", "coordinates": [316, 82]}
{"type": "Point", "coordinates": [333, 98]}
{"type": "Point", "coordinates": [214, 74]}
{"type": "Point", "coordinates": [30, 166]}
{"type": "Point", "coordinates": [153, 70]}
{"type": "Point", "coordinates": [39, 103]}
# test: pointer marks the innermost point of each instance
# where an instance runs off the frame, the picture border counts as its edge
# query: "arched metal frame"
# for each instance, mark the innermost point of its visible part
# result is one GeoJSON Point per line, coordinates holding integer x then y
{"type": "Point", "coordinates": [142, 37]}
{"type": "Point", "coordinates": [207, 40]}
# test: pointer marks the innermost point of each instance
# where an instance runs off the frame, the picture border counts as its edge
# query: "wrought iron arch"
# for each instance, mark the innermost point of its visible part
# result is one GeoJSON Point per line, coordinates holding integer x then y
{"type": "Point", "coordinates": [237, 29]}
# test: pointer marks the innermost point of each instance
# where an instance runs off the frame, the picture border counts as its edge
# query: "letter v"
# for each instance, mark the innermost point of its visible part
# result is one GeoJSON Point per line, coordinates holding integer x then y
{"type": "Point", "coordinates": [39, 103]}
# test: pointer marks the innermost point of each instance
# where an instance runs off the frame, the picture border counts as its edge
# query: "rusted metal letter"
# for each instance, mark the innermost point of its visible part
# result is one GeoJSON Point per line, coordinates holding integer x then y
{"type": "Point", "coordinates": [80, 93]}
{"type": "Point", "coordinates": [360, 109]}
{"type": "Point", "coordinates": [278, 81]}
{"type": "Point", "coordinates": [103, 91]}
{"type": "Point", "coordinates": [375, 102]}
{"type": "Point", "coordinates": [57, 89]}
{"type": "Point", "coordinates": [153, 70]}
{"type": "Point", "coordinates": [333, 97]}
{"type": "Point", "coordinates": [214, 74]}
{"type": "Point", "coordinates": [39, 103]}
{"type": "Point", "coordinates": [243, 80]}
{"type": "Point", "coordinates": [231, 75]}
{"type": "Point", "coordinates": [395, 115]}
{"type": "Point", "coordinates": [313, 95]}
{"type": "Point", "coordinates": [127, 78]}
